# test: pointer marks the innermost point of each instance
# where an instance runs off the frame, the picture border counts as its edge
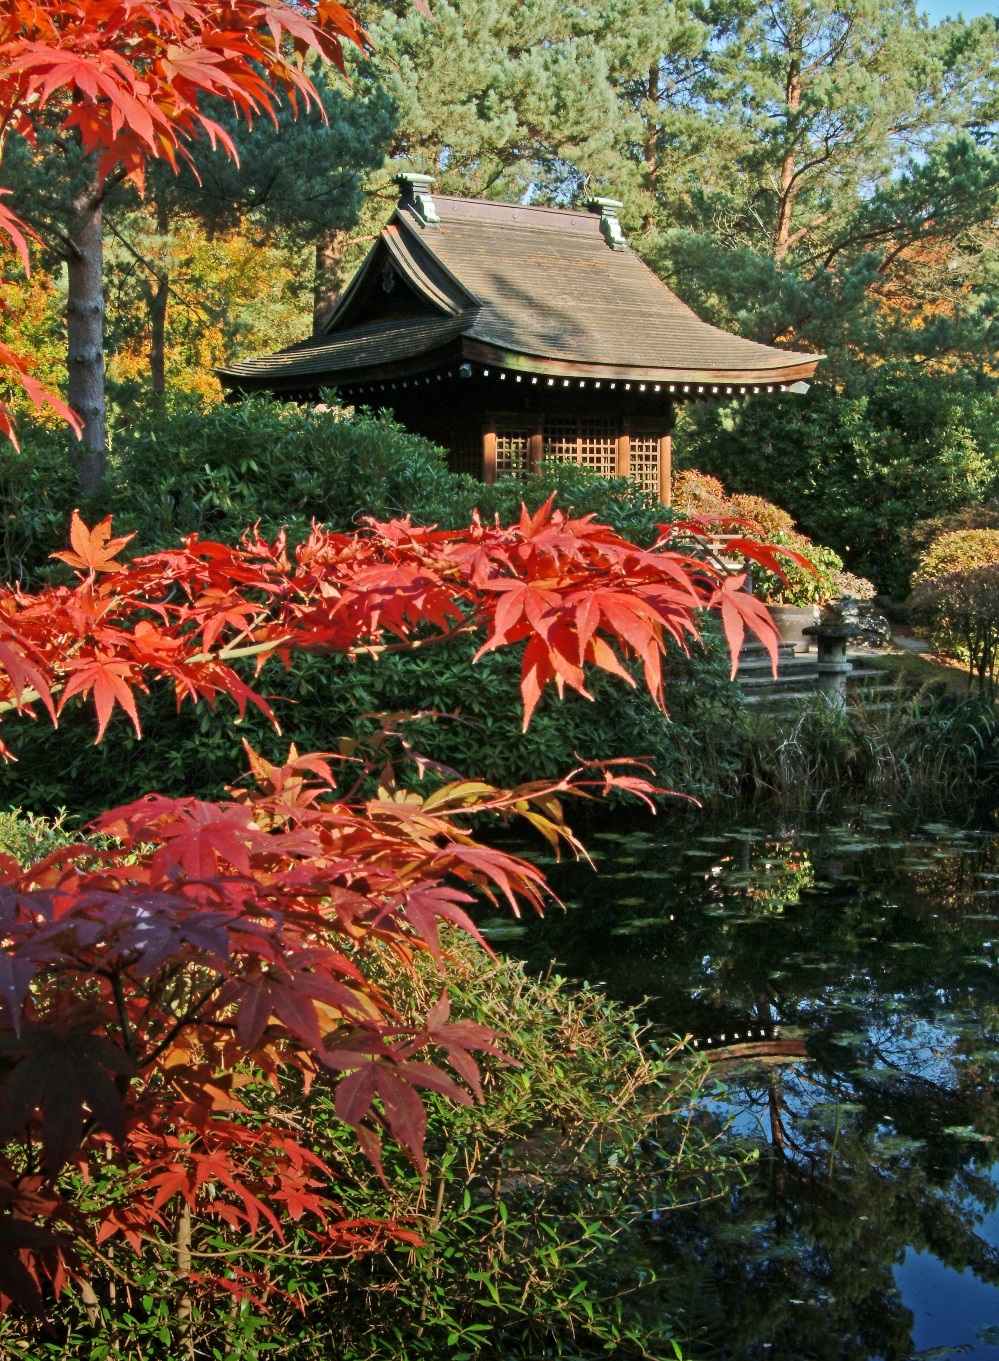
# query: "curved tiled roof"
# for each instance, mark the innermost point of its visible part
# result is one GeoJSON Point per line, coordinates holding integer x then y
{"type": "Point", "coordinates": [536, 289]}
{"type": "Point", "coordinates": [359, 347]}
{"type": "Point", "coordinates": [565, 294]}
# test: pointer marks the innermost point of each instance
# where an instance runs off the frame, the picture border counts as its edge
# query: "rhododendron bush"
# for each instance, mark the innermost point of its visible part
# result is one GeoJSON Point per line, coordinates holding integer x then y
{"type": "Point", "coordinates": [149, 972]}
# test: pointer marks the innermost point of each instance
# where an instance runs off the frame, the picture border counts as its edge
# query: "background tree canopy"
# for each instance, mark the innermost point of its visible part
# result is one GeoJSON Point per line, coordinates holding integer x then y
{"type": "Point", "coordinates": [821, 173]}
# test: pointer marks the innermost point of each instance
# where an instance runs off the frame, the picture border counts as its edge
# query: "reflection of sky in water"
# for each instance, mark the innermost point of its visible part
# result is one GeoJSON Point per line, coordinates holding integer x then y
{"type": "Point", "coordinates": [874, 946]}
{"type": "Point", "coordinates": [951, 1309]}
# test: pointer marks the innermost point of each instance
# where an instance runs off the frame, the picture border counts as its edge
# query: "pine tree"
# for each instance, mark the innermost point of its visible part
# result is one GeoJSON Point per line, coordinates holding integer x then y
{"type": "Point", "coordinates": [497, 100]}
{"type": "Point", "coordinates": [301, 181]}
{"type": "Point", "coordinates": [817, 103]}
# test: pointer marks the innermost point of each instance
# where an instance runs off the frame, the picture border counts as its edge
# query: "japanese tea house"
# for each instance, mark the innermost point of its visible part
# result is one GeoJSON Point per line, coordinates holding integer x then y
{"type": "Point", "coordinates": [512, 334]}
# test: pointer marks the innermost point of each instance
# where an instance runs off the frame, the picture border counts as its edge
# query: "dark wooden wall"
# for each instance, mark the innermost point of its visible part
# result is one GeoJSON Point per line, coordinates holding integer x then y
{"type": "Point", "coordinates": [495, 426]}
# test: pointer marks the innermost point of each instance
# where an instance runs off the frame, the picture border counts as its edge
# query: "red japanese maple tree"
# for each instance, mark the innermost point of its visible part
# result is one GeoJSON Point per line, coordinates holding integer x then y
{"type": "Point", "coordinates": [149, 972]}
{"type": "Point", "coordinates": [127, 79]}
{"type": "Point", "coordinates": [143, 976]}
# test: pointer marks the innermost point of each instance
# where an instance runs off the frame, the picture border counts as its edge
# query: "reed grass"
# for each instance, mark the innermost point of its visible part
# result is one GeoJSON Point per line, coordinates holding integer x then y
{"type": "Point", "coordinates": [911, 745]}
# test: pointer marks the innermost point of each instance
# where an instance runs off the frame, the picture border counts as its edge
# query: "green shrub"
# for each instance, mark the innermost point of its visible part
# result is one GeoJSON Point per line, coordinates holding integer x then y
{"type": "Point", "coordinates": [962, 609]}
{"type": "Point", "coordinates": [857, 467]}
{"type": "Point", "coordinates": [28, 838]}
{"type": "Point", "coordinates": [955, 590]}
{"type": "Point", "coordinates": [198, 752]}
{"type": "Point", "coordinates": [534, 1216]}
{"type": "Point", "coordinates": [215, 469]}
{"type": "Point", "coordinates": [925, 532]}
{"type": "Point", "coordinates": [38, 489]}
{"type": "Point", "coordinates": [962, 550]}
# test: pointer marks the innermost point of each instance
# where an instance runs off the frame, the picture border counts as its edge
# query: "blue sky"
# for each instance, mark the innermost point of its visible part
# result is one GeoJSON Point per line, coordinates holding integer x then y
{"type": "Point", "coordinates": [969, 9]}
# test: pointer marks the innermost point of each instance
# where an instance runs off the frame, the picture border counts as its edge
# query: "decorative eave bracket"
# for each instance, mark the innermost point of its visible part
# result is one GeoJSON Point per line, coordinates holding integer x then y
{"type": "Point", "coordinates": [415, 194]}
{"type": "Point", "coordinates": [608, 208]}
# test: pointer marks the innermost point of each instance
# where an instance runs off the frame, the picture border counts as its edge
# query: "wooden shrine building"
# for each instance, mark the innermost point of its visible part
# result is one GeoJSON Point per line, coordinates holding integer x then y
{"type": "Point", "coordinates": [512, 334]}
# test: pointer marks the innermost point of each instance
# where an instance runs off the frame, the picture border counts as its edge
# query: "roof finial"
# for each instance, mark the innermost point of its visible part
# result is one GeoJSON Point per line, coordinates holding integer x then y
{"type": "Point", "coordinates": [608, 208]}
{"type": "Point", "coordinates": [415, 193]}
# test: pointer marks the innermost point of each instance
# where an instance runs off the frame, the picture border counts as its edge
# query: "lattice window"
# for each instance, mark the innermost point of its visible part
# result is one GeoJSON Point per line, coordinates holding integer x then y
{"type": "Point", "coordinates": [598, 447]}
{"type": "Point", "coordinates": [561, 440]}
{"type": "Point", "coordinates": [645, 462]}
{"type": "Point", "coordinates": [512, 444]}
{"type": "Point", "coordinates": [590, 443]}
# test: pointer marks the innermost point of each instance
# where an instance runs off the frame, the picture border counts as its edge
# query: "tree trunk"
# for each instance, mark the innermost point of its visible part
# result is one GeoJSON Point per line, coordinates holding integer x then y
{"type": "Point", "coordinates": [328, 280]}
{"type": "Point", "coordinates": [785, 208]}
{"type": "Point", "coordinates": [85, 334]}
{"type": "Point", "coordinates": [185, 1307]}
{"type": "Point", "coordinates": [652, 141]}
{"type": "Point", "coordinates": [788, 185]}
{"type": "Point", "coordinates": [158, 300]}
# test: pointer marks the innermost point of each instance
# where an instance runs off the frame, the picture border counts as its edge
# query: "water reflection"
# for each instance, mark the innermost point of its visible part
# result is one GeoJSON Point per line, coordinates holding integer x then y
{"type": "Point", "coordinates": [872, 1227]}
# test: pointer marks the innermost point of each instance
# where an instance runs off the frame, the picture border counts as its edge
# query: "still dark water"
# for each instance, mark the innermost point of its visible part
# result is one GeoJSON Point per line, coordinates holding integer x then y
{"type": "Point", "coordinates": [870, 1226]}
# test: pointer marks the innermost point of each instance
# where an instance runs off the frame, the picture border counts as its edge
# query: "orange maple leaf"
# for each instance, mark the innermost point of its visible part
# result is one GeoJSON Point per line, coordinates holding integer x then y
{"type": "Point", "coordinates": [94, 549]}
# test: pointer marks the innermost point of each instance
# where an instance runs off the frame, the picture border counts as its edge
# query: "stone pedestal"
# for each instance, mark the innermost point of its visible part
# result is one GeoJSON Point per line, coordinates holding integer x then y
{"type": "Point", "coordinates": [834, 668]}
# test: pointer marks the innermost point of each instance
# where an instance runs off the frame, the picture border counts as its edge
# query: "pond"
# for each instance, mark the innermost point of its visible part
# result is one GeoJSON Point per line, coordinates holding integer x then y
{"type": "Point", "coordinates": [855, 963]}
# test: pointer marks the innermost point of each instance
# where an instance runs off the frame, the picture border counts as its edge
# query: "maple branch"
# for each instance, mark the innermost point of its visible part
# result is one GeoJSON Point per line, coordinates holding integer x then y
{"type": "Point", "coordinates": [126, 1027]}
{"type": "Point", "coordinates": [380, 649]}
{"type": "Point", "coordinates": [28, 696]}
{"type": "Point", "coordinates": [228, 654]}
{"type": "Point", "coordinates": [192, 1014]}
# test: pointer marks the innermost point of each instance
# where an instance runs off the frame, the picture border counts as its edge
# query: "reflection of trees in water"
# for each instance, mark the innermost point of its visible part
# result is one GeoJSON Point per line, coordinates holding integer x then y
{"type": "Point", "coordinates": [803, 1260]}
{"type": "Point", "coordinates": [886, 1139]}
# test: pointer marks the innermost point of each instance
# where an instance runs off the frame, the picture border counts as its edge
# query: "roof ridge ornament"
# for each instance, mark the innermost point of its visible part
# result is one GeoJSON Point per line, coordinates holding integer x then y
{"type": "Point", "coordinates": [608, 208]}
{"type": "Point", "coordinates": [415, 193]}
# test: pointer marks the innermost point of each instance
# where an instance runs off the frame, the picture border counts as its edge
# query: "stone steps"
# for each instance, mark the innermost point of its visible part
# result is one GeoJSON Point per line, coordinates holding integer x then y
{"type": "Point", "coordinates": [797, 678]}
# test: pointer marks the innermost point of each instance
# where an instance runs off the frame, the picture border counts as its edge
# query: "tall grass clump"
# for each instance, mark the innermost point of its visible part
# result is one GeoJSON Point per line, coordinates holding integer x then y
{"type": "Point", "coordinates": [924, 745]}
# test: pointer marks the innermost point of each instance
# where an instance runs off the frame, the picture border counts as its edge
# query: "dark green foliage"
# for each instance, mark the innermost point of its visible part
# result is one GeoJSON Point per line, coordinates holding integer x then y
{"type": "Point", "coordinates": [900, 423]}
{"type": "Point", "coordinates": [216, 469]}
{"type": "Point", "coordinates": [859, 468]}
{"type": "Point", "coordinates": [38, 488]}
{"type": "Point", "coordinates": [198, 752]}
{"type": "Point", "coordinates": [301, 176]}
